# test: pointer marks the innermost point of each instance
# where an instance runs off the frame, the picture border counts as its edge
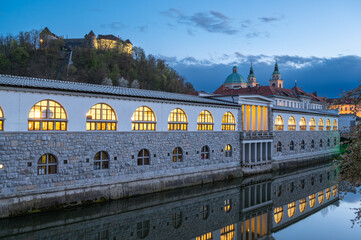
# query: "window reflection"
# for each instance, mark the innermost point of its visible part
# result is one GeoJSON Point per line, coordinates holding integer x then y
{"type": "Point", "coordinates": [303, 205]}
{"type": "Point", "coordinates": [278, 214]}
{"type": "Point", "coordinates": [312, 200]}
{"type": "Point", "coordinates": [227, 233]}
{"type": "Point", "coordinates": [328, 193]}
{"type": "Point", "coordinates": [320, 197]}
{"type": "Point", "coordinates": [291, 209]}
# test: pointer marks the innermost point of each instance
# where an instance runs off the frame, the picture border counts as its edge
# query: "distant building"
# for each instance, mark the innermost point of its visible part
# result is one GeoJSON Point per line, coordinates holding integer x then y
{"type": "Point", "coordinates": [349, 114]}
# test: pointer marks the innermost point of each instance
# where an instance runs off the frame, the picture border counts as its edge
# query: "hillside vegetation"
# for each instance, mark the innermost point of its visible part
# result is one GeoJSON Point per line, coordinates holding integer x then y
{"type": "Point", "coordinates": [21, 55]}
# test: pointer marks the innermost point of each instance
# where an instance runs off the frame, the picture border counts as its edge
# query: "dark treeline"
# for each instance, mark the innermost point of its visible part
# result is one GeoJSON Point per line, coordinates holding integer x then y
{"type": "Point", "coordinates": [21, 55]}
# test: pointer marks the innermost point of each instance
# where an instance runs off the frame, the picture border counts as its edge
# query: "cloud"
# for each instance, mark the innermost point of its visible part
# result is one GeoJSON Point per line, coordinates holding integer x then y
{"type": "Point", "coordinates": [256, 34]}
{"type": "Point", "coordinates": [270, 19]}
{"type": "Point", "coordinates": [190, 32]}
{"type": "Point", "coordinates": [114, 25]}
{"type": "Point", "coordinates": [143, 28]}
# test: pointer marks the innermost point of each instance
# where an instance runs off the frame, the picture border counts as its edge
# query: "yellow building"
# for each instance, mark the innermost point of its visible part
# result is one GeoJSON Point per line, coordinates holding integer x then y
{"type": "Point", "coordinates": [107, 42]}
{"type": "Point", "coordinates": [346, 108]}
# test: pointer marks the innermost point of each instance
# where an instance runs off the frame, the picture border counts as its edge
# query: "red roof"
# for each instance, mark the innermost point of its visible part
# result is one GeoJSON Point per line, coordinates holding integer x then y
{"type": "Point", "coordinates": [294, 92]}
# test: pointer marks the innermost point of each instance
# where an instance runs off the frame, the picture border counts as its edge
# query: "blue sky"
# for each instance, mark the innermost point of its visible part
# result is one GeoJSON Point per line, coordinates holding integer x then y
{"type": "Point", "coordinates": [316, 42]}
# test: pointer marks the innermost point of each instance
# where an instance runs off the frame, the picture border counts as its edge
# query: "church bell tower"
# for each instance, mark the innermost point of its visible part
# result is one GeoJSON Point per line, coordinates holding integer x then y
{"type": "Point", "coordinates": [276, 80]}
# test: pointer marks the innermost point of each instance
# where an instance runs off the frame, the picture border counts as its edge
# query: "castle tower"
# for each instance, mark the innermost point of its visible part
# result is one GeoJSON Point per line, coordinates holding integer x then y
{"type": "Point", "coordinates": [90, 40]}
{"type": "Point", "coordinates": [276, 80]}
{"type": "Point", "coordinates": [251, 78]}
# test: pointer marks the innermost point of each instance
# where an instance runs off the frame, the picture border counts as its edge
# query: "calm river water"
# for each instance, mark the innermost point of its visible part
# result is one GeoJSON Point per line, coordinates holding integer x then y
{"type": "Point", "coordinates": [304, 204]}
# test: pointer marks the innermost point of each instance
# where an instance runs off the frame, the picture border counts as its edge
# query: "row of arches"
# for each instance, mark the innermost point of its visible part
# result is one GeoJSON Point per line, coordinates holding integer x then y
{"type": "Point", "coordinates": [292, 145]}
{"type": "Point", "coordinates": [302, 204]}
{"type": "Point", "coordinates": [292, 124]}
{"type": "Point", "coordinates": [49, 115]}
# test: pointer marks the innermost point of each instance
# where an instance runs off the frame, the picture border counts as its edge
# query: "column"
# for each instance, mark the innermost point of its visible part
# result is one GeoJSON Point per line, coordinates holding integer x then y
{"type": "Point", "coordinates": [245, 118]}
{"type": "Point", "coordinates": [243, 153]}
{"type": "Point", "coordinates": [255, 152]}
{"type": "Point", "coordinates": [250, 118]}
{"type": "Point", "coordinates": [268, 118]}
{"type": "Point", "coordinates": [262, 127]}
{"type": "Point", "coordinates": [261, 152]}
{"type": "Point", "coordinates": [250, 152]}
{"type": "Point", "coordinates": [256, 127]}
{"type": "Point", "coordinates": [266, 151]}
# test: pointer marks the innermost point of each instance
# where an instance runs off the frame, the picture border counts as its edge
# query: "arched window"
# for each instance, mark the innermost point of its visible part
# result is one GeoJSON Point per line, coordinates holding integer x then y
{"type": "Point", "coordinates": [47, 164]}
{"type": "Point", "coordinates": [291, 124]}
{"type": "Point", "coordinates": [328, 193]}
{"type": "Point", "coordinates": [279, 123]}
{"type": "Point", "coordinates": [143, 229]}
{"type": "Point", "coordinates": [303, 124]}
{"type": "Point", "coordinates": [177, 154]}
{"type": "Point", "coordinates": [143, 157]}
{"type": "Point", "coordinates": [101, 117]}
{"type": "Point", "coordinates": [320, 197]}
{"type": "Point", "coordinates": [279, 147]}
{"type": "Point", "coordinates": [328, 124]}
{"type": "Point", "coordinates": [278, 214]}
{"type": "Point", "coordinates": [206, 236]}
{"type": "Point", "coordinates": [227, 205]}
{"type": "Point", "coordinates": [177, 219]}
{"type": "Point", "coordinates": [312, 200]}
{"type": "Point", "coordinates": [205, 121]}
{"type": "Point", "coordinates": [292, 146]}
{"type": "Point", "coordinates": [334, 192]}
{"type": "Point", "coordinates": [101, 160]}
{"type": "Point", "coordinates": [228, 150]}
{"type": "Point", "coordinates": [205, 152]}
{"type": "Point", "coordinates": [335, 125]}
{"type": "Point", "coordinates": [228, 122]}
{"type": "Point", "coordinates": [321, 124]}
{"type": "Point", "coordinates": [144, 119]}
{"type": "Point", "coordinates": [302, 205]}
{"type": "Point", "coordinates": [177, 120]}
{"type": "Point", "coordinates": [321, 143]}
{"type": "Point", "coordinates": [1, 119]}
{"type": "Point", "coordinates": [313, 143]}
{"type": "Point", "coordinates": [227, 233]}
{"type": "Point", "coordinates": [303, 145]}
{"type": "Point", "coordinates": [312, 124]}
{"type": "Point", "coordinates": [47, 115]}
{"type": "Point", "coordinates": [291, 209]}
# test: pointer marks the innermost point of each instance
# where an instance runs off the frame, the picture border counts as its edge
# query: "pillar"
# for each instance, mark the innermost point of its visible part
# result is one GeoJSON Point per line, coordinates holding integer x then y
{"type": "Point", "coordinates": [256, 115]}
{"type": "Point", "coordinates": [250, 118]}
{"type": "Point", "coordinates": [262, 123]}
{"type": "Point", "coordinates": [245, 118]}
{"type": "Point", "coordinates": [261, 152]}
{"type": "Point", "coordinates": [243, 153]}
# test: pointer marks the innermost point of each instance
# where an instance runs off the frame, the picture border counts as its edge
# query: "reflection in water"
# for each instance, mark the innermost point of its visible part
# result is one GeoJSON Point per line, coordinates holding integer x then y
{"type": "Point", "coordinates": [251, 209]}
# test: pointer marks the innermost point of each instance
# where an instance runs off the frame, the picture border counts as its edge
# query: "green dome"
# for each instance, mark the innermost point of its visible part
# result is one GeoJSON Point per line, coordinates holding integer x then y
{"type": "Point", "coordinates": [235, 77]}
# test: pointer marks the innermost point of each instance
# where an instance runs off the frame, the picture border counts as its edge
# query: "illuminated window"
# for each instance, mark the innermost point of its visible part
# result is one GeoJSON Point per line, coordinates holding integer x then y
{"type": "Point", "coordinates": [143, 157]}
{"type": "Point", "coordinates": [228, 150]}
{"type": "Point", "coordinates": [227, 205]}
{"type": "Point", "coordinates": [177, 120]}
{"type": "Point", "coordinates": [205, 121]}
{"type": "Point", "coordinates": [328, 193]}
{"type": "Point", "coordinates": [302, 205]}
{"type": "Point", "coordinates": [205, 152]}
{"type": "Point", "coordinates": [205, 211]}
{"type": "Point", "coordinates": [278, 214]}
{"type": "Point", "coordinates": [292, 146]}
{"type": "Point", "coordinates": [291, 124]}
{"type": "Point", "coordinates": [313, 143]}
{"type": "Point", "coordinates": [303, 124]}
{"type": "Point", "coordinates": [228, 122]}
{"type": "Point", "coordinates": [206, 236]}
{"type": "Point", "coordinates": [47, 115]}
{"type": "Point", "coordinates": [279, 147]}
{"type": "Point", "coordinates": [334, 192]}
{"type": "Point", "coordinates": [279, 123]}
{"type": "Point", "coordinates": [321, 143]}
{"type": "Point", "coordinates": [312, 124]}
{"type": "Point", "coordinates": [227, 233]}
{"type": "Point", "coordinates": [1, 119]}
{"type": "Point", "coordinates": [101, 160]}
{"type": "Point", "coordinates": [334, 125]}
{"type": "Point", "coordinates": [101, 117]}
{"type": "Point", "coordinates": [47, 164]}
{"type": "Point", "coordinates": [328, 124]}
{"type": "Point", "coordinates": [177, 154]}
{"type": "Point", "coordinates": [320, 197]}
{"type": "Point", "coordinates": [312, 200]}
{"type": "Point", "coordinates": [320, 124]}
{"type": "Point", "coordinates": [291, 209]}
{"type": "Point", "coordinates": [303, 145]}
{"type": "Point", "coordinates": [143, 229]}
{"type": "Point", "coordinates": [177, 219]}
{"type": "Point", "coordinates": [144, 119]}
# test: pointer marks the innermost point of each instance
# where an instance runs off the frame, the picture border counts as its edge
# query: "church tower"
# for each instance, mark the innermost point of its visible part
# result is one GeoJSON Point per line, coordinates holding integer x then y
{"type": "Point", "coordinates": [276, 80]}
{"type": "Point", "coordinates": [251, 78]}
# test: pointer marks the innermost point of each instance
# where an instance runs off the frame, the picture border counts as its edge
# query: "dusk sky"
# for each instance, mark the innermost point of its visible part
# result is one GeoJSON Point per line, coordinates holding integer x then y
{"type": "Point", "coordinates": [316, 42]}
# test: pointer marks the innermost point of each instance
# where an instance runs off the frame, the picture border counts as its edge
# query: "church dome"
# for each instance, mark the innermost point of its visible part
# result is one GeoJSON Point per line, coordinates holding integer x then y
{"type": "Point", "coordinates": [235, 77]}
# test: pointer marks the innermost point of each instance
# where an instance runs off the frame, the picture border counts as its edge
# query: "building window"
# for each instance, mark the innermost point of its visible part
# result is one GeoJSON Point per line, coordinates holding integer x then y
{"type": "Point", "coordinates": [227, 205]}
{"type": "Point", "coordinates": [47, 164]}
{"type": "Point", "coordinates": [177, 120]}
{"type": "Point", "coordinates": [321, 144]}
{"type": "Point", "coordinates": [228, 150]}
{"type": "Point", "coordinates": [101, 117]}
{"type": "Point", "coordinates": [334, 191]}
{"type": "Point", "coordinates": [101, 160]}
{"type": "Point", "coordinates": [279, 147]}
{"type": "Point", "coordinates": [320, 197]}
{"type": "Point", "coordinates": [177, 219]}
{"type": "Point", "coordinates": [328, 193]}
{"type": "Point", "coordinates": [144, 119]}
{"type": "Point", "coordinates": [312, 124]}
{"type": "Point", "coordinates": [334, 141]}
{"type": "Point", "coordinates": [205, 152]}
{"type": "Point", "coordinates": [303, 124]}
{"type": "Point", "coordinates": [279, 123]}
{"type": "Point", "coordinates": [312, 200]}
{"type": "Point", "coordinates": [177, 154]}
{"type": "Point", "coordinates": [47, 115]}
{"type": "Point", "coordinates": [206, 236]}
{"type": "Point", "coordinates": [328, 142]}
{"type": "Point", "coordinates": [292, 146]}
{"type": "Point", "coordinates": [291, 209]}
{"type": "Point", "coordinates": [302, 205]}
{"type": "Point", "coordinates": [205, 121]}
{"type": "Point", "coordinates": [278, 214]}
{"type": "Point", "coordinates": [335, 125]}
{"type": "Point", "coordinates": [143, 229]}
{"type": "Point", "coordinates": [313, 143]}
{"type": "Point", "coordinates": [228, 122]}
{"type": "Point", "coordinates": [291, 124]}
{"type": "Point", "coordinates": [303, 145]}
{"type": "Point", "coordinates": [320, 125]}
{"type": "Point", "coordinates": [143, 157]}
{"type": "Point", "coordinates": [227, 233]}
{"type": "Point", "coordinates": [205, 211]}
{"type": "Point", "coordinates": [1, 119]}
{"type": "Point", "coordinates": [328, 124]}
